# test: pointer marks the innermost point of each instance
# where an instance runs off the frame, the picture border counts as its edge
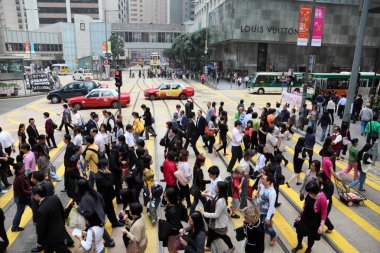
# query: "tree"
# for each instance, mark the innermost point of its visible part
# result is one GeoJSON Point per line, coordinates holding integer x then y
{"type": "Point", "coordinates": [117, 47]}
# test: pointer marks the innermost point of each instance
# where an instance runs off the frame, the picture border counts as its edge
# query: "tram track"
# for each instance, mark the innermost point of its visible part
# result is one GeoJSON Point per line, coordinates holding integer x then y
{"type": "Point", "coordinates": [286, 197]}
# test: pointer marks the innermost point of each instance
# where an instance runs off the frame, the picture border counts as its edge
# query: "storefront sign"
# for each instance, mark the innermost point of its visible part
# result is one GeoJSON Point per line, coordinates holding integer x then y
{"type": "Point", "coordinates": [38, 82]}
{"type": "Point", "coordinates": [304, 25]}
{"type": "Point", "coordinates": [319, 19]}
{"type": "Point", "coordinates": [27, 47]}
{"type": "Point", "coordinates": [292, 98]}
{"type": "Point", "coordinates": [268, 29]}
{"type": "Point", "coordinates": [104, 47]}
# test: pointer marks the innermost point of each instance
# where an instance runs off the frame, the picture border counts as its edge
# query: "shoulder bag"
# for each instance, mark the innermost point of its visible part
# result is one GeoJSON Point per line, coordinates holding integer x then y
{"type": "Point", "coordinates": [372, 133]}
{"type": "Point", "coordinates": [93, 245]}
{"type": "Point", "coordinates": [367, 167]}
{"type": "Point", "coordinates": [195, 190]}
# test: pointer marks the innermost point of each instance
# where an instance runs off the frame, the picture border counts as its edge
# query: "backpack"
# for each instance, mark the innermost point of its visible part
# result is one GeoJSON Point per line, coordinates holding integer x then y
{"type": "Point", "coordinates": [98, 153]}
{"type": "Point", "coordinates": [230, 185]}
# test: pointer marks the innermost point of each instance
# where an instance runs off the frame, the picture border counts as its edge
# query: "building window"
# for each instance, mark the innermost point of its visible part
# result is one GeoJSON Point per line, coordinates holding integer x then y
{"type": "Point", "coordinates": [145, 37]}
{"type": "Point", "coordinates": [82, 26]}
{"type": "Point", "coordinates": [161, 38]}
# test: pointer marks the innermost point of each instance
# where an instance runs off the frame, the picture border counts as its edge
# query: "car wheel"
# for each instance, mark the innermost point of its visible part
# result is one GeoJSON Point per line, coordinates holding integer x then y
{"type": "Point", "coordinates": [78, 106]}
{"type": "Point", "coordinates": [55, 99]}
{"type": "Point", "coordinates": [260, 91]}
{"type": "Point", "coordinates": [152, 97]}
{"type": "Point", "coordinates": [182, 96]}
{"type": "Point", "coordinates": [115, 104]}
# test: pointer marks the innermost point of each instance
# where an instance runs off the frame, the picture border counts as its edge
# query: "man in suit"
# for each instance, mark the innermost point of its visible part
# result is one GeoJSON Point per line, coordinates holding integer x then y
{"type": "Point", "coordinates": [201, 124]}
{"type": "Point", "coordinates": [192, 134]}
{"type": "Point", "coordinates": [32, 132]}
{"type": "Point", "coordinates": [51, 231]}
{"type": "Point", "coordinates": [189, 108]}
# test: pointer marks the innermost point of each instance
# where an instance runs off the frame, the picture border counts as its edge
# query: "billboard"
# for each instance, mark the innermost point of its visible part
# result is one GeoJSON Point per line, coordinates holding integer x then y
{"type": "Point", "coordinates": [304, 25]}
{"type": "Point", "coordinates": [319, 19]}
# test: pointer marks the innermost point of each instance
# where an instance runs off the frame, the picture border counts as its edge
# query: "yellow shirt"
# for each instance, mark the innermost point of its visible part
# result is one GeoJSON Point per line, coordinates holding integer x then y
{"type": "Point", "coordinates": [148, 177]}
{"type": "Point", "coordinates": [92, 158]}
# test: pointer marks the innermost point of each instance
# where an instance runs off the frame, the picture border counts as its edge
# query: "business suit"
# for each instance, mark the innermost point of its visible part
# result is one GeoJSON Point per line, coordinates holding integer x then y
{"type": "Point", "coordinates": [192, 136]}
{"type": "Point", "coordinates": [105, 186]}
{"type": "Point", "coordinates": [32, 134]}
{"type": "Point", "coordinates": [51, 231]}
{"type": "Point", "coordinates": [201, 124]}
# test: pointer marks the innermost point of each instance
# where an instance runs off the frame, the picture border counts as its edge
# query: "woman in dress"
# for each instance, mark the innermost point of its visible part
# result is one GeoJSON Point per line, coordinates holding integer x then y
{"type": "Point", "coordinates": [253, 230]}
{"type": "Point", "coordinates": [21, 135]}
{"type": "Point", "coordinates": [297, 161]}
{"type": "Point", "coordinates": [313, 216]}
{"type": "Point", "coordinates": [218, 217]}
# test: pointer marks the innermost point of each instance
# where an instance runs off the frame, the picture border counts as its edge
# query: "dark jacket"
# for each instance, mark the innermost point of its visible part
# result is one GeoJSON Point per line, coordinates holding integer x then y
{"type": "Point", "coordinates": [91, 124]}
{"type": "Point", "coordinates": [105, 185]}
{"type": "Point", "coordinates": [147, 116]}
{"type": "Point", "coordinates": [32, 134]}
{"type": "Point", "coordinates": [199, 181]}
{"type": "Point", "coordinates": [324, 121]}
{"type": "Point", "coordinates": [68, 153]}
{"type": "Point", "coordinates": [49, 126]}
{"type": "Point", "coordinates": [21, 187]}
{"type": "Point", "coordinates": [170, 143]}
{"type": "Point", "coordinates": [196, 243]}
{"type": "Point", "coordinates": [188, 109]}
{"type": "Point", "coordinates": [51, 222]}
{"type": "Point", "coordinates": [191, 131]}
{"type": "Point", "coordinates": [201, 125]}
{"type": "Point", "coordinates": [49, 187]}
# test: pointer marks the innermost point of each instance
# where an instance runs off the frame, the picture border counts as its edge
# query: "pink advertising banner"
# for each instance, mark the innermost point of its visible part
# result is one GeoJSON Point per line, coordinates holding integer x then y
{"type": "Point", "coordinates": [319, 19]}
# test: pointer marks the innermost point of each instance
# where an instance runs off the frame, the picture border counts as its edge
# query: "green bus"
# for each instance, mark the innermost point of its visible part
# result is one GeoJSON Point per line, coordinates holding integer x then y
{"type": "Point", "coordinates": [274, 82]}
{"type": "Point", "coordinates": [368, 83]}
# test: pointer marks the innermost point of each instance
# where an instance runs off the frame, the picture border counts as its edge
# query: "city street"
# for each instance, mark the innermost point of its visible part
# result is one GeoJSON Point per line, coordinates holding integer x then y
{"type": "Point", "coordinates": [357, 228]}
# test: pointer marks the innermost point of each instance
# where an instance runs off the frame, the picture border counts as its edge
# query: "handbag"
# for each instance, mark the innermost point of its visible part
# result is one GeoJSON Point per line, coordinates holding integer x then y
{"type": "Point", "coordinates": [164, 230]}
{"type": "Point", "coordinates": [240, 233]}
{"type": "Point", "coordinates": [93, 245]}
{"type": "Point", "coordinates": [76, 220]}
{"type": "Point", "coordinates": [346, 141]}
{"type": "Point", "coordinates": [178, 244]}
{"type": "Point", "coordinates": [195, 190]}
{"type": "Point", "coordinates": [126, 240]}
{"type": "Point", "coordinates": [209, 132]}
{"type": "Point", "coordinates": [367, 167]}
{"type": "Point", "coordinates": [372, 134]}
{"type": "Point", "coordinates": [180, 176]}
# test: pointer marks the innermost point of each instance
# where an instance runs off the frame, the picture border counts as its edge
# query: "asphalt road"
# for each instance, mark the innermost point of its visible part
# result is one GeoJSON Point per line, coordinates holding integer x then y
{"type": "Point", "coordinates": [8, 104]}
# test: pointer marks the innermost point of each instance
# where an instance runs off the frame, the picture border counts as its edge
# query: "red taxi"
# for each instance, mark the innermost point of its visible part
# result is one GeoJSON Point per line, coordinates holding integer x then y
{"type": "Point", "coordinates": [100, 98]}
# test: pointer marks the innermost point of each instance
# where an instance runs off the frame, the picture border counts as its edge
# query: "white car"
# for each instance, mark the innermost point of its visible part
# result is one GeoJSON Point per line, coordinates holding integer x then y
{"type": "Point", "coordinates": [83, 74]}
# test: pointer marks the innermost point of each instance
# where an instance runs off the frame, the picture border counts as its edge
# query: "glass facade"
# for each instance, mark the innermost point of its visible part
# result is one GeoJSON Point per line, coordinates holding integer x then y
{"type": "Point", "coordinates": [98, 35]}
{"type": "Point", "coordinates": [68, 40]}
{"type": "Point", "coordinates": [11, 66]}
{"type": "Point", "coordinates": [151, 37]}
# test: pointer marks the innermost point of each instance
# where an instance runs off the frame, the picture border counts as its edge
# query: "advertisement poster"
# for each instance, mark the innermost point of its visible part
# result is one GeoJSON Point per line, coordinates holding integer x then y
{"type": "Point", "coordinates": [319, 19]}
{"type": "Point", "coordinates": [32, 50]}
{"type": "Point", "coordinates": [104, 47]}
{"type": "Point", "coordinates": [27, 47]}
{"type": "Point", "coordinates": [294, 99]}
{"type": "Point", "coordinates": [304, 25]}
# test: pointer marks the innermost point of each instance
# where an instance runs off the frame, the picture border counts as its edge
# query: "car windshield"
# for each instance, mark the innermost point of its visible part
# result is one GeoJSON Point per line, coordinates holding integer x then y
{"type": "Point", "coordinates": [164, 87]}
{"type": "Point", "coordinates": [91, 85]}
{"type": "Point", "coordinates": [109, 93]}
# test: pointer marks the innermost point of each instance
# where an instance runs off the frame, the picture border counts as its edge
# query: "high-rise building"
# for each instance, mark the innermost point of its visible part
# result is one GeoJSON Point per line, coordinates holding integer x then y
{"type": "Point", "coordinates": [148, 11]}
{"type": "Point", "coordinates": [12, 15]}
{"type": "Point", "coordinates": [188, 10]}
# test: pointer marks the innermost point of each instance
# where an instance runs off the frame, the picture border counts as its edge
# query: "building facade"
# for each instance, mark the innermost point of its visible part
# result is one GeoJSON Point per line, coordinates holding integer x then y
{"type": "Point", "coordinates": [12, 15]}
{"type": "Point", "coordinates": [140, 40]}
{"type": "Point", "coordinates": [148, 11]}
{"type": "Point", "coordinates": [251, 35]}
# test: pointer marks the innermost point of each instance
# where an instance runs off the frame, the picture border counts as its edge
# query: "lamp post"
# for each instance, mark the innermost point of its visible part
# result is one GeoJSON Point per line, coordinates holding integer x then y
{"type": "Point", "coordinates": [106, 35]}
{"type": "Point", "coordinates": [28, 35]}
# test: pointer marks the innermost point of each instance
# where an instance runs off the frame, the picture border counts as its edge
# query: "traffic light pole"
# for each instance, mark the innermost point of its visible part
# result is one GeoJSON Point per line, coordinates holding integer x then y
{"type": "Point", "coordinates": [355, 66]}
{"type": "Point", "coordinates": [119, 99]}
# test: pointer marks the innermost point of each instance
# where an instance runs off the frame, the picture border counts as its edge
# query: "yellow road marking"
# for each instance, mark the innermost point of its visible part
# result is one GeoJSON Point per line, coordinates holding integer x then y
{"type": "Point", "coordinates": [370, 204]}
{"type": "Point", "coordinates": [349, 213]}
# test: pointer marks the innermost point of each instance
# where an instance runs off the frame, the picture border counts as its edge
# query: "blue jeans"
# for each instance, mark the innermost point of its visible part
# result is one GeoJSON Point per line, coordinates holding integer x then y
{"type": "Point", "coordinates": [363, 125]}
{"type": "Point", "coordinates": [91, 179]}
{"type": "Point", "coordinates": [324, 129]}
{"type": "Point", "coordinates": [268, 230]}
{"type": "Point", "coordinates": [195, 203]}
{"type": "Point", "coordinates": [313, 123]}
{"type": "Point", "coordinates": [20, 210]}
{"type": "Point", "coordinates": [54, 176]}
{"type": "Point", "coordinates": [360, 181]}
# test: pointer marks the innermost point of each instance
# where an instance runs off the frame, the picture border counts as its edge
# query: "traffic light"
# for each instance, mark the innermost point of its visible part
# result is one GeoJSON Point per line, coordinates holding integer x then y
{"type": "Point", "coordinates": [118, 78]}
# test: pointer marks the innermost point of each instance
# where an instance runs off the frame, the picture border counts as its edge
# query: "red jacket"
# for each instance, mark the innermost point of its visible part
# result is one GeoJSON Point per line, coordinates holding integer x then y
{"type": "Point", "coordinates": [169, 169]}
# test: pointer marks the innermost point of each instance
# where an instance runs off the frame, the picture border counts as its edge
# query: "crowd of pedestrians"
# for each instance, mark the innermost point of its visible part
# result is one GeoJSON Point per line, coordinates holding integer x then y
{"type": "Point", "coordinates": [107, 160]}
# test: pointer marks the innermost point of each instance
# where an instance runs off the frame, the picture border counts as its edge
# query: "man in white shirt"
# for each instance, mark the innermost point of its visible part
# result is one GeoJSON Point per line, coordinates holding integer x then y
{"type": "Point", "coordinates": [213, 173]}
{"type": "Point", "coordinates": [77, 119]}
{"type": "Point", "coordinates": [98, 140]}
{"type": "Point", "coordinates": [331, 108]}
{"type": "Point", "coordinates": [341, 105]}
{"type": "Point", "coordinates": [129, 139]}
{"type": "Point", "coordinates": [7, 142]}
{"type": "Point", "coordinates": [236, 150]}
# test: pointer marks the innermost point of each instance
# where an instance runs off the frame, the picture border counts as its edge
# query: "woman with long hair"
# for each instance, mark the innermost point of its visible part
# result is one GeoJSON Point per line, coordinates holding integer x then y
{"type": "Point", "coordinates": [325, 122]}
{"type": "Point", "coordinates": [184, 167]}
{"type": "Point", "coordinates": [327, 188]}
{"type": "Point", "coordinates": [199, 184]}
{"type": "Point", "coordinates": [136, 231]}
{"type": "Point", "coordinates": [21, 135]}
{"type": "Point", "coordinates": [313, 117]}
{"type": "Point", "coordinates": [223, 130]}
{"type": "Point", "coordinates": [311, 175]}
{"type": "Point", "coordinates": [283, 136]}
{"type": "Point", "coordinates": [94, 234]}
{"type": "Point", "coordinates": [43, 162]}
{"type": "Point", "coordinates": [193, 237]}
{"type": "Point", "coordinates": [218, 217]}
{"type": "Point", "coordinates": [312, 218]}
{"type": "Point", "coordinates": [364, 159]}
{"type": "Point", "coordinates": [22, 195]}
{"type": "Point", "coordinates": [106, 138]}
{"type": "Point", "coordinates": [248, 135]}
{"type": "Point", "coordinates": [254, 230]}
{"type": "Point", "coordinates": [129, 194]}
{"type": "Point", "coordinates": [352, 159]}
{"type": "Point", "coordinates": [174, 214]}
{"type": "Point", "coordinates": [297, 161]}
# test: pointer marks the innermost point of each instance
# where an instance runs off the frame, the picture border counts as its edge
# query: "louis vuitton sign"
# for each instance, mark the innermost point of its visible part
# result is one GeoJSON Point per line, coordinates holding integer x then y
{"type": "Point", "coordinates": [268, 29]}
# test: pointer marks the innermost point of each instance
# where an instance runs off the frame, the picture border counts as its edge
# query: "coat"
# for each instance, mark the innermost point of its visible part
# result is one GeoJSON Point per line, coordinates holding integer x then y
{"type": "Point", "coordinates": [51, 221]}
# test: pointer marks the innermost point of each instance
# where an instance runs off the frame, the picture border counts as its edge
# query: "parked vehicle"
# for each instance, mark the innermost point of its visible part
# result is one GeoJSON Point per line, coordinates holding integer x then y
{"type": "Point", "coordinates": [73, 89]}
{"type": "Point", "coordinates": [169, 90]}
{"type": "Point", "coordinates": [61, 69]}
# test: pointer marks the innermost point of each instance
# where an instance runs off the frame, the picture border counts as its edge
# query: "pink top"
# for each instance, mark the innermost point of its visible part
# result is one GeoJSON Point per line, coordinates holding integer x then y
{"type": "Point", "coordinates": [30, 162]}
{"type": "Point", "coordinates": [320, 206]}
{"type": "Point", "coordinates": [326, 165]}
